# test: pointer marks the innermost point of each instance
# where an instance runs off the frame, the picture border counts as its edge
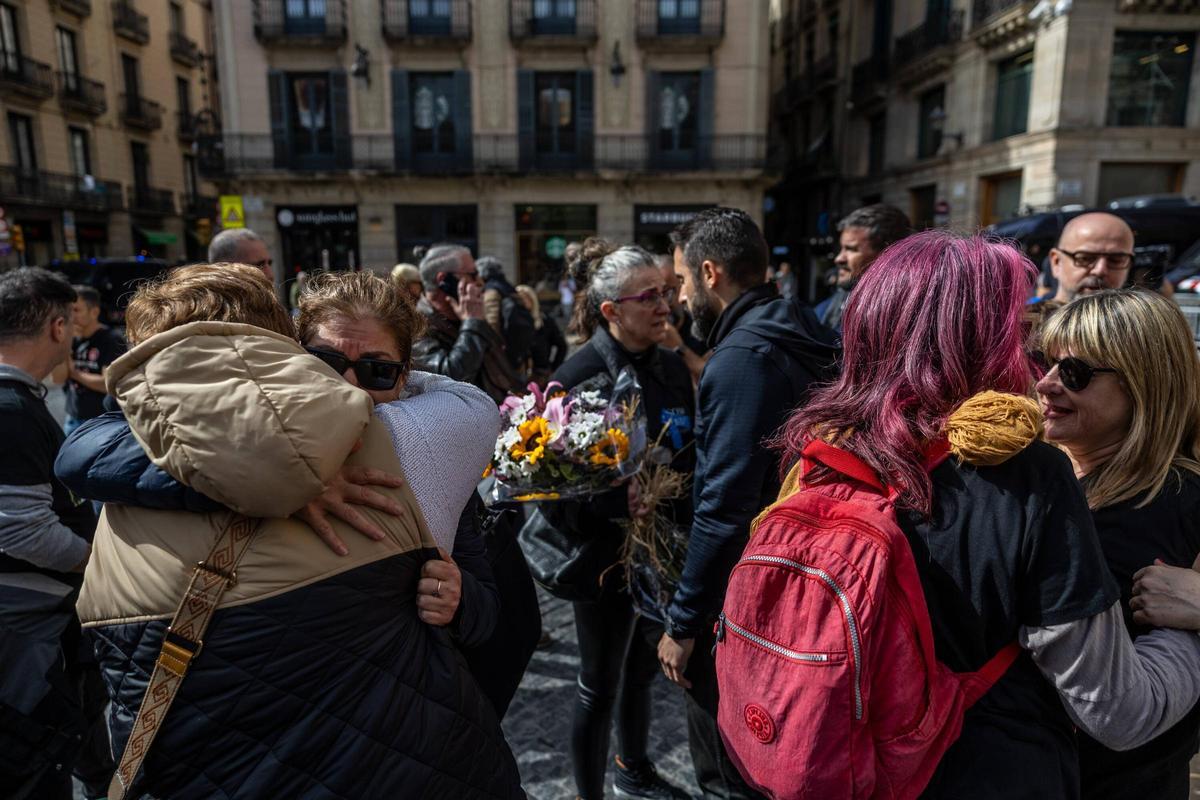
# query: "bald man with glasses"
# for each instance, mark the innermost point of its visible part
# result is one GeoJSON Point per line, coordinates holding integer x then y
{"type": "Point", "coordinates": [1094, 252]}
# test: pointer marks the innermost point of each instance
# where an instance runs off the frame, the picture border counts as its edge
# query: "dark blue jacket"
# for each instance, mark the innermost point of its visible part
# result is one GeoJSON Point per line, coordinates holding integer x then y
{"type": "Point", "coordinates": [103, 461]}
{"type": "Point", "coordinates": [767, 351]}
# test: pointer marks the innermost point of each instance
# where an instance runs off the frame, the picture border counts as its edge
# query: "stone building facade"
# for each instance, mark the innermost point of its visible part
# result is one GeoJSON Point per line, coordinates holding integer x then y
{"type": "Point", "coordinates": [356, 130]}
{"type": "Point", "coordinates": [965, 112]}
{"type": "Point", "coordinates": [103, 101]}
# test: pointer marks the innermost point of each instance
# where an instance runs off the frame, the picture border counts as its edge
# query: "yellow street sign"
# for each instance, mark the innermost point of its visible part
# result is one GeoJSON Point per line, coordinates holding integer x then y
{"type": "Point", "coordinates": [232, 213]}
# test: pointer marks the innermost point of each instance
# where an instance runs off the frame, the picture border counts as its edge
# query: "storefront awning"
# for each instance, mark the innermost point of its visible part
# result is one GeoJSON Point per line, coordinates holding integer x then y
{"type": "Point", "coordinates": [158, 237]}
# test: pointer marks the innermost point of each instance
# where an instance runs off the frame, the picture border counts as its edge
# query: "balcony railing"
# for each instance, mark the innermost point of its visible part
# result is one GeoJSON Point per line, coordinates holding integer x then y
{"type": "Point", "coordinates": [198, 205]}
{"type": "Point", "coordinates": [706, 26]}
{"type": "Point", "coordinates": [926, 38]}
{"type": "Point", "coordinates": [129, 23]}
{"type": "Point", "coordinates": [184, 50]}
{"type": "Point", "coordinates": [525, 23]}
{"type": "Point", "coordinates": [59, 190]}
{"type": "Point", "coordinates": [138, 112]}
{"type": "Point", "coordinates": [186, 126]}
{"type": "Point", "coordinates": [984, 10]}
{"type": "Point", "coordinates": [149, 200]}
{"type": "Point", "coordinates": [273, 24]}
{"type": "Point", "coordinates": [868, 80]}
{"type": "Point", "coordinates": [452, 23]}
{"type": "Point", "coordinates": [77, 93]}
{"type": "Point", "coordinates": [234, 153]}
{"type": "Point", "coordinates": [24, 76]}
{"type": "Point", "coordinates": [80, 8]}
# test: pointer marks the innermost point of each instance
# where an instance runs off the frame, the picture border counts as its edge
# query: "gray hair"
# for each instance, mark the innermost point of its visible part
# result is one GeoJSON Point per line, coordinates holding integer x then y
{"type": "Point", "coordinates": [885, 225]}
{"type": "Point", "coordinates": [438, 259]}
{"type": "Point", "coordinates": [225, 245]}
{"type": "Point", "coordinates": [612, 272]}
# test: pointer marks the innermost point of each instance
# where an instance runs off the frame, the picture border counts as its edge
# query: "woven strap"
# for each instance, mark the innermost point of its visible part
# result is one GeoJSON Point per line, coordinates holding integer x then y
{"type": "Point", "coordinates": [182, 642]}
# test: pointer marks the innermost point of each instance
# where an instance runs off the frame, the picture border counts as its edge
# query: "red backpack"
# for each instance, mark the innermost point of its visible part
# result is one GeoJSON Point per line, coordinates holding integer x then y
{"type": "Point", "coordinates": [828, 681]}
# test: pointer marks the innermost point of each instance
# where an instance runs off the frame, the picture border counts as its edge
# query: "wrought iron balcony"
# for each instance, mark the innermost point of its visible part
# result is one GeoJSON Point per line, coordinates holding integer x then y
{"type": "Point", "coordinates": [138, 112]}
{"type": "Point", "coordinates": [79, 94]}
{"type": "Point", "coordinates": [526, 24]}
{"type": "Point", "coordinates": [705, 28]}
{"type": "Point", "coordinates": [868, 80]}
{"type": "Point", "coordinates": [25, 77]}
{"type": "Point", "coordinates": [80, 8]}
{"type": "Point", "coordinates": [148, 200]}
{"type": "Point", "coordinates": [184, 50]}
{"type": "Point", "coordinates": [994, 22]}
{"type": "Point", "coordinates": [57, 190]}
{"type": "Point", "coordinates": [186, 126]}
{"type": "Point", "coordinates": [129, 23]}
{"type": "Point", "coordinates": [235, 153]}
{"type": "Point", "coordinates": [274, 25]}
{"type": "Point", "coordinates": [437, 20]}
{"type": "Point", "coordinates": [198, 205]}
{"type": "Point", "coordinates": [926, 39]}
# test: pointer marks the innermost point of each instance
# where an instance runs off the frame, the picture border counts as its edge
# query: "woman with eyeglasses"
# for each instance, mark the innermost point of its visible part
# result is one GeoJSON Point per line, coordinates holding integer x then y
{"type": "Point", "coordinates": [1122, 398]}
{"type": "Point", "coordinates": [624, 319]}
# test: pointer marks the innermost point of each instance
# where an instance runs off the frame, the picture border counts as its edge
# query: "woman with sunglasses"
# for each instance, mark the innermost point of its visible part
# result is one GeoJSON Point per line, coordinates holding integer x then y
{"type": "Point", "coordinates": [1122, 398]}
{"type": "Point", "coordinates": [624, 318]}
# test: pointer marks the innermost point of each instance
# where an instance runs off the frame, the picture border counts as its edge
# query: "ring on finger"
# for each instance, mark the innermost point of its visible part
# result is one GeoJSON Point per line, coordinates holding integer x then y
{"type": "Point", "coordinates": [438, 591]}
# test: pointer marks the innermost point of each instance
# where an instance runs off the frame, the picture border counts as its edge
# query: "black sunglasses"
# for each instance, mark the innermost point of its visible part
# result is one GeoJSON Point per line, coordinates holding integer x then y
{"type": "Point", "coordinates": [1075, 373]}
{"type": "Point", "coordinates": [374, 374]}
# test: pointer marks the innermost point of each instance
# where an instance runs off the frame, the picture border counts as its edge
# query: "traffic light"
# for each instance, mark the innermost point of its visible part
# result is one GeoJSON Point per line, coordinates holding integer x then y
{"type": "Point", "coordinates": [17, 239]}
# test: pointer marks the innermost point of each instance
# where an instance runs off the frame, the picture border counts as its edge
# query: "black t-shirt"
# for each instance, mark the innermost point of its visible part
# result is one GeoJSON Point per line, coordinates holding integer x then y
{"type": "Point", "coordinates": [1008, 546]}
{"type": "Point", "coordinates": [1167, 528]}
{"type": "Point", "coordinates": [31, 441]}
{"type": "Point", "coordinates": [91, 355]}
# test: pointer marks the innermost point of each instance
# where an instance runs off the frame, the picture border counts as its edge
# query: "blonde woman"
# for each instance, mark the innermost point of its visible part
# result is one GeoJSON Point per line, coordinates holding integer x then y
{"type": "Point", "coordinates": [408, 279]}
{"type": "Point", "coordinates": [549, 348]}
{"type": "Point", "coordinates": [1122, 398]}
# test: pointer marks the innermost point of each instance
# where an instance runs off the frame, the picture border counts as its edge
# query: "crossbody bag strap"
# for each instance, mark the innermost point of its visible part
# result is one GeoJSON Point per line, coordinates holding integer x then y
{"type": "Point", "coordinates": [182, 642]}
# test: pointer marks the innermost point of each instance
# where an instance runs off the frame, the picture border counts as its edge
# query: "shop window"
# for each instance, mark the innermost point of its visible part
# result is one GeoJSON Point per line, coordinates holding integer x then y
{"type": "Point", "coordinates": [1148, 84]}
{"type": "Point", "coordinates": [425, 225]}
{"type": "Point", "coordinates": [1013, 80]}
{"type": "Point", "coordinates": [543, 232]}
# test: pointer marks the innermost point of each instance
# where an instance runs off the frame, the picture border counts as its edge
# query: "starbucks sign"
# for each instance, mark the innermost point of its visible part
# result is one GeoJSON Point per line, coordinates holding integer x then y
{"type": "Point", "coordinates": [556, 246]}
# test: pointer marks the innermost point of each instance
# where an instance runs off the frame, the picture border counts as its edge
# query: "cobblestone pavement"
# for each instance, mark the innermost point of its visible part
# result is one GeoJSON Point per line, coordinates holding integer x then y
{"type": "Point", "coordinates": [538, 724]}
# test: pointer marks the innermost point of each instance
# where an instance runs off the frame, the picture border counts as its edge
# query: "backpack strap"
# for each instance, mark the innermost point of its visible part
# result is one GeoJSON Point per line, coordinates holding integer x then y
{"type": "Point", "coordinates": [840, 461]}
{"type": "Point", "coordinates": [977, 684]}
{"type": "Point", "coordinates": [182, 641]}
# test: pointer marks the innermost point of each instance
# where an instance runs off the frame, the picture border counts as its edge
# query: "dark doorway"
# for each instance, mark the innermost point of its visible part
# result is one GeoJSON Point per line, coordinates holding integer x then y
{"type": "Point", "coordinates": [318, 238]}
{"type": "Point", "coordinates": [421, 226]}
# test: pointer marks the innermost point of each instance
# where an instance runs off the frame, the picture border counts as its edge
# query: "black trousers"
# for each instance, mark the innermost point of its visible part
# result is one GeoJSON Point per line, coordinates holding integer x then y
{"type": "Point", "coordinates": [716, 774]}
{"type": "Point", "coordinates": [618, 658]}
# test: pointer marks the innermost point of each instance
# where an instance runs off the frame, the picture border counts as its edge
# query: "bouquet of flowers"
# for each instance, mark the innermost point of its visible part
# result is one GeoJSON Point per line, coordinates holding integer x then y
{"type": "Point", "coordinates": [557, 445]}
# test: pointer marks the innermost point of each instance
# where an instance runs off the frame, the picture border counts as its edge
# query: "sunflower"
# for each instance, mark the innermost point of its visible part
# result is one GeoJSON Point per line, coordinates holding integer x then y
{"type": "Point", "coordinates": [535, 433]}
{"type": "Point", "coordinates": [612, 449]}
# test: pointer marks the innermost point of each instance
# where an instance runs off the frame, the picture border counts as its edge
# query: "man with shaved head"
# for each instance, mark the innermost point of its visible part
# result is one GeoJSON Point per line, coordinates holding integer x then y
{"type": "Point", "coordinates": [1094, 252]}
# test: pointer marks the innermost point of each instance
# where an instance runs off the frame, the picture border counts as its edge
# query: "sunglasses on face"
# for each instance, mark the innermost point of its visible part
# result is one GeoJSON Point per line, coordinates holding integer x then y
{"type": "Point", "coordinates": [1075, 373]}
{"type": "Point", "coordinates": [650, 297]}
{"type": "Point", "coordinates": [374, 374]}
{"type": "Point", "coordinates": [1085, 260]}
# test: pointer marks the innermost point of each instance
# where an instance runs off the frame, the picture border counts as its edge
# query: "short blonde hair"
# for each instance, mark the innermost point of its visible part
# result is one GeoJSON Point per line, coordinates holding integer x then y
{"type": "Point", "coordinates": [206, 293]}
{"type": "Point", "coordinates": [404, 274]}
{"type": "Point", "coordinates": [360, 295]}
{"type": "Point", "coordinates": [1146, 339]}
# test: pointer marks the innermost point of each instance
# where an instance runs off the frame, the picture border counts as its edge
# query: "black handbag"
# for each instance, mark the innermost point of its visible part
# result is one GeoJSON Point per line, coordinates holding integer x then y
{"type": "Point", "coordinates": [564, 558]}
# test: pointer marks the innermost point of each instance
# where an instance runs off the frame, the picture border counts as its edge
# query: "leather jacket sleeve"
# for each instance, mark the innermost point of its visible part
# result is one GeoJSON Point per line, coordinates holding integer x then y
{"type": "Point", "coordinates": [460, 361]}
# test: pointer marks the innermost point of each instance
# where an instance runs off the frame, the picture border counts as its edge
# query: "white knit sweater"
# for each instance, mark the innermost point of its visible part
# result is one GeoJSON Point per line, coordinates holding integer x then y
{"type": "Point", "coordinates": [444, 433]}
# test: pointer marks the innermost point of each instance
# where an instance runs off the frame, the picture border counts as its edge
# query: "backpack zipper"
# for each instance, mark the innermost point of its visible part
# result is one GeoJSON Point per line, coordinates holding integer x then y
{"type": "Point", "coordinates": [723, 623]}
{"type": "Point", "coordinates": [847, 612]}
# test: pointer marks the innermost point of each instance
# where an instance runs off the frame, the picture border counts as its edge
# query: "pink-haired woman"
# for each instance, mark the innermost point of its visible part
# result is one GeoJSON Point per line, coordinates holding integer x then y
{"type": "Point", "coordinates": [1007, 551]}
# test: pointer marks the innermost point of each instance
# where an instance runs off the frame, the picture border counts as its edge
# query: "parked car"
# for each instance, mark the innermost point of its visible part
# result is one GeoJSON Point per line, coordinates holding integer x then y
{"type": "Point", "coordinates": [1152, 201]}
{"type": "Point", "coordinates": [115, 278]}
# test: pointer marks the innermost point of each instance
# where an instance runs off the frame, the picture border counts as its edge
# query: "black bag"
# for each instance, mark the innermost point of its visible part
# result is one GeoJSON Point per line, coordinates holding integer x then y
{"type": "Point", "coordinates": [565, 559]}
{"type": "Point", "coordinates": [499, 663]}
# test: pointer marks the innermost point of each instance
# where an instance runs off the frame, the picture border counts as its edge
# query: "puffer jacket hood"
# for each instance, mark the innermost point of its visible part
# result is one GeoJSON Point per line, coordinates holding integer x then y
{"type": "Point", "coordinates": [213, 402]}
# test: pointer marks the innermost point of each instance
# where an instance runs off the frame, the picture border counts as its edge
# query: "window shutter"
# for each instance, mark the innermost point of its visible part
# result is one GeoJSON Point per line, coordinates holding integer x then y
{"type": "Point", "coordinates": [339, 103]}
{"type": "Point", "coordinates": [708, 112]}
{"type": "Point", "coordinates": [585, 118]}
{"type": "Point", "coordinates": [463, 145]}
{"type": "Point", "coordinates": [277, 88]}
{"type": "Point", "coordinates": [653, 87]}
{"type": "Point", "coordinates": [401, 120]}
{"type": "Point", "coordinates": [526, 118]}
